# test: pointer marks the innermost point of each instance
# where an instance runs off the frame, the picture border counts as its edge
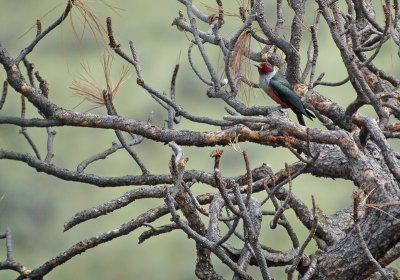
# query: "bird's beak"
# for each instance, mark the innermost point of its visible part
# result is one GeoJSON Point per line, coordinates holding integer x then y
{"type": "Point", "coordinates": [258, 66]}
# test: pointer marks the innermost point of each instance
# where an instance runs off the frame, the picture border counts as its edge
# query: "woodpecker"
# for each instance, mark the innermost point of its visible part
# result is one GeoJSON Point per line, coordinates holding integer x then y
{"type": "Point", "coordinates": [279, 89]}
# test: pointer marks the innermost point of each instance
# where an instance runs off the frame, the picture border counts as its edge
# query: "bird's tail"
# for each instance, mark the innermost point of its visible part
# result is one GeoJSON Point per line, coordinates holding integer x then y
{"type": "Point", "coordinates": [300, 119]}
{"type": "Point", "coordinates": [309, 114]}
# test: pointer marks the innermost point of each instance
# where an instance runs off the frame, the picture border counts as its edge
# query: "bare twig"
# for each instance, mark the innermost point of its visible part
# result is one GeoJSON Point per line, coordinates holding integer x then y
{"type": "Point", "coordinates": [29, 69]}
{"type": "Point", "coordinates": [9, 262]}
{"type": "Point", "coordinates": [364, 246]}
{"type": "Point", "coordinates": [221, 185]}
{"type": "Point", "coordinates": [121, 138]}
{"type": "Point", "coordinates": [311, 268]}
{"type": "Point", "coordinates": [4, 94]}
{"type": "Point", "coordinates": [8, 237]}
{"type": "Point", "coordinates": [24, 130]}
{"type": "Point", "coordinates": [38, 27]}
{"type": "Point", "coordinates": [284, 182]}
{"type": "Point", "coordinates": [279, 16]}
{"type": "Point", "coordinates": [155, 231]}
{"type": "Point", "coordinates": [284, 205]}
{"type": "Point", "coordinates": [114, 204]}
{"type": "Point", "coordinates": [190, 48]}
{"type": "Point", "coordinates": [298, 258]}
{"type": "Point", "coordinates": [252, 219]}
{"type": "Point", "coordinates": [249, 177]}
{"type": "Point", "coordinates": [201, 48]}
{"type": "Point", "coordinates": [86, 244]}
{"type": "Point", "coordinates": [173, 117]}
{"type": "Point", "coordinates": [42, 34]}
{"type": "Point", "coordinates": [313, 29]}
{"type": "Point", "coordinates": [204, 241]}
{"type": "Point", "coordinates": [330, 84]}
{"type": "Point", "coordinates": [50, 140]}
{"type": "Point", "coordinates": [102, 155]}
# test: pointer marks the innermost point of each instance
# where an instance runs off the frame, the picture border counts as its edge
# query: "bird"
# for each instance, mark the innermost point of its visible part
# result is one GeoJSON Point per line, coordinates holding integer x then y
{"type": "Point", "coordinates": [280, 90]}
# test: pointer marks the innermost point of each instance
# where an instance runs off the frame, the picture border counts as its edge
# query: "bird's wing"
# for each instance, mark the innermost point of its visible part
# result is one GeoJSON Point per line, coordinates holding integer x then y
{"type": "Point", "coordinates": [283, 80]}
{"type": "Point", "coordinates": [285, 91]}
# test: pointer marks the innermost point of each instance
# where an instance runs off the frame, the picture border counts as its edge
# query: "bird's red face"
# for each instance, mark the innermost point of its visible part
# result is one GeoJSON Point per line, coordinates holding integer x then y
{"type": "Point", "coordinates": [264, 68]}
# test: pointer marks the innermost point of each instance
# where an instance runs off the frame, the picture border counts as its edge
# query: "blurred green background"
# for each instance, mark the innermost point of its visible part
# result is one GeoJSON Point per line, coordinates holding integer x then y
{"type": "Point", "coordinates": [34, 206]}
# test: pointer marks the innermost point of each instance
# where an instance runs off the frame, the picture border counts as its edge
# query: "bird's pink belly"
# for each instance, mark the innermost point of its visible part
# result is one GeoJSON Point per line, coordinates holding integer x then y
{"type": "Point", "coordinates": [274, 97]}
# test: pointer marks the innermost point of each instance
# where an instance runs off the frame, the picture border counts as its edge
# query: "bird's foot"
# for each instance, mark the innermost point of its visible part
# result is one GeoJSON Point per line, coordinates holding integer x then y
{"type": "Point", "coordinates": [278, 108]}
{"type": "Point", "coordinates": [281, 109]}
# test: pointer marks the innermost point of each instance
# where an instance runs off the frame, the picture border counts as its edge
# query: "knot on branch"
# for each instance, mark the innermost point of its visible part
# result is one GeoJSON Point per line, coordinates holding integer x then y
{"type": "Point", "coordinates": [140, 82]}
